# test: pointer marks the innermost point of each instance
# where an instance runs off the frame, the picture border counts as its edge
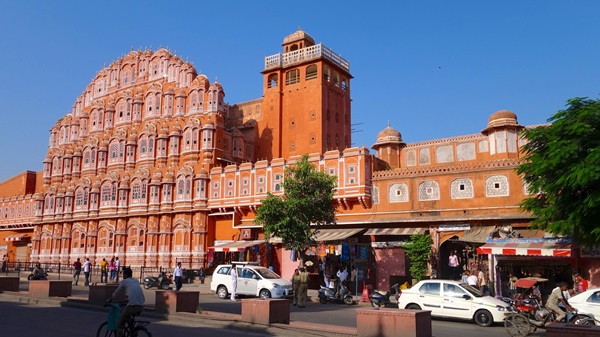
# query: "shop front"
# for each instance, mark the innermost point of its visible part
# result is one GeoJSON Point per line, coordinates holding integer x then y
{"type": "Point", "coordinates": [333, 249]}
{"type": "Point", "coordinates": [549, 258]}
{"type": "Point", "coordinates": [389, 259]}
{"type": "Point", "coordinates": [16, 246]}
{"type": "Point", "coordinates": [233, 251]}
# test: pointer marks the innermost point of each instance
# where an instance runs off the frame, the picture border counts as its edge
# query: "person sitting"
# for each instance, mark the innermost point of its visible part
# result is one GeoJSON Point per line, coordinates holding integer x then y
{"type": "Point", "coordinates": [557, 297]}
{"type": "Point", "coordinates": [38, 272]}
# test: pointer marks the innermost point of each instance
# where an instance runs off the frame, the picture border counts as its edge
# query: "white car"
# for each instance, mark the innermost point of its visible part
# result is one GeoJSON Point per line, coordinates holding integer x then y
{"type": "Point", "coordinates": [252, 280]}
{"type": "Point", "coordinates": [445, 298]}
{"type": "Point", "coordinates": [587, 303]}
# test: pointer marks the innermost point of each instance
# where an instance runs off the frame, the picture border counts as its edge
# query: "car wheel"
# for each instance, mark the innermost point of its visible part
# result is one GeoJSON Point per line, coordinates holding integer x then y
{"type": "Point", "coordinates": [582, 320]}
{"type": "Point", "coordinates": [222, 292]}
{"type": "Point", "coordinates": [265, 294]}
{"type": "Point", "coordinates": [413, 307]}
{"type": "Point", "coordinates": [483, 318]}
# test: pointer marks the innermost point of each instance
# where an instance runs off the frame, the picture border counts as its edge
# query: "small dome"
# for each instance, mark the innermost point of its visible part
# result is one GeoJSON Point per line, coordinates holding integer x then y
{"type": "Point", "coordinates": [501, 118]}
{"type": "Point", "coordinates": [389, 135]}
{"type": "Point", "coordinates": [297, 36]}
{"type": "Point", "coordinates": [170, 91]}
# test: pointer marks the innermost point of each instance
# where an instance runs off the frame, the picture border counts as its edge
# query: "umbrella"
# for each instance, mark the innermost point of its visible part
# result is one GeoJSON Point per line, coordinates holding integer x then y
{"type": "Point", "coordinates": [528, 282]}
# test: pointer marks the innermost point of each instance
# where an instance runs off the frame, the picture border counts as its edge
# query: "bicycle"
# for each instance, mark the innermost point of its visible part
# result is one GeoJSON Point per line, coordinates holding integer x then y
{"type": "Point", "coordinates": [133, 328]}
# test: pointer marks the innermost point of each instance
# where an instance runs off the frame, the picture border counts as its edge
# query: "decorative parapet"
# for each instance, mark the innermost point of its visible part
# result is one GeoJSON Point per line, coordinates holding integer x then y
{"type": "Point", "coordinates": [445, 169]}
{"type": "Point", "coordinates": [284, 60]}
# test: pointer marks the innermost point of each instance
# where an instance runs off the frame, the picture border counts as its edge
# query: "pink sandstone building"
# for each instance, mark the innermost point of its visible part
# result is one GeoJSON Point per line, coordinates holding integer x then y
{"type": "Point", "coordinates": [153, 165]}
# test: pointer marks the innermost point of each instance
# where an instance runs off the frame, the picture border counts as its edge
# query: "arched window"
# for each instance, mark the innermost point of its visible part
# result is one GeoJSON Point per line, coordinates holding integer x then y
{"type": "Point", "coordinates": [292, 76]}
{"type": "Point", "coordinates": [272, 81]}
{"type": "Point", "coordinates": [136, 238]}
{"type": "Point", "coordinates": [105, 194]}
{"type": "Point", "coordinates": [184, 188]}
{"type": "Point", "coordinates": [496, 186]}
{"type": "Point", "coordinates": [135, 193]}
{"type": "Point", "coordinates": [429, 190]}
{"type": "Point", "coordinates": [311, 72]}
{"type": "Point", "coordinates": [81, 199]}
{"type": "Point", "coordinates": [398, 193]}
{"type": "Point", "coordinates": [461, 188]}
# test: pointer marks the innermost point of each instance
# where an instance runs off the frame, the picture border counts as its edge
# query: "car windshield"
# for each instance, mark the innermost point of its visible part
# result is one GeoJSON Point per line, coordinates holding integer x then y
{"type": "Point", "coordinates": [267, 273]}
{"type": "Point", "coordinates": [472, 290]}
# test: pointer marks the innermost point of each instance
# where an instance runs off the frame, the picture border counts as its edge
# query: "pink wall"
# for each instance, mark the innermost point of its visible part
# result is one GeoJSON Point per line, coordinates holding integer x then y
{"type": "Point", "coordinates": [389, 262]}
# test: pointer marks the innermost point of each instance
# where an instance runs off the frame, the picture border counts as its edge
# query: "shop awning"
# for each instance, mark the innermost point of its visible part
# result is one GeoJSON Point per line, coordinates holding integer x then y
{"type": "Point", "coordinates": [557, 249]}
{"type": "Point", "coordinates": [335, 234]}
{"type": "Point", "coordinates": [236, 246]}
{"type": "Point", "coordinates": [395, 231]}
{"type": "Point", "coordinates": [477, 234]}
{"type": "Point", "coordinates": [15, 237]}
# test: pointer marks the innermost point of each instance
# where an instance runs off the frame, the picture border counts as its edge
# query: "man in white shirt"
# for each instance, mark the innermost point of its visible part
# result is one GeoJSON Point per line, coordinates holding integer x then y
{"type": "Point", "coordinates": [178, 275]}
{"type": "Point", "coordinates": [87, 267]}
{"type": "Point", "coordinates": [233, 281]}
{"type": "Point", "coordinates": [342, 275]}
{"type": "Point", "coordinates": [135, 296]}
{"type": "Point", "coordinates": [472, 280]}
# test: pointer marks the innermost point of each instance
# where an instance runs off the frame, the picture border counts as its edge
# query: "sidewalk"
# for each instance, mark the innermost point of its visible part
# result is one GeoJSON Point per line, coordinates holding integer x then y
{"type": "Point", "coordinates": [79, 299]}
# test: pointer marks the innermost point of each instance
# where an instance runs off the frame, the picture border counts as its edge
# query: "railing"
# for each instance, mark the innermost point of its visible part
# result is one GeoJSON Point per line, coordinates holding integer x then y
{"type": "Point", "coordinates": [56, 271]}
{"type": "Point", "coordinates": [305, 54]}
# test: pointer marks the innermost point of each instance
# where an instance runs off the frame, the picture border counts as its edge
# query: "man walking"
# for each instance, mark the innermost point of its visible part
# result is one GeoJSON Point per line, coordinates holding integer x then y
{"type": "Point", "coordinates": [87, 268]}
{"type": "Point", "coordinates": [302, 288]}
{"type": "Point", "coordinates": [76, 271]}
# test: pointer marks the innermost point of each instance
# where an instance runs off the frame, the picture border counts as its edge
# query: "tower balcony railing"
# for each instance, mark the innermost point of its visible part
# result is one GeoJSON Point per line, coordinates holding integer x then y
{"type": "Point", "coordinates": [305, 54]}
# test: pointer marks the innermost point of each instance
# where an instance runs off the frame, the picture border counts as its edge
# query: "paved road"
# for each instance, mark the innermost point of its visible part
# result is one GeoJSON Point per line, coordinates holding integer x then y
{"type": "Point", "coordinates": [69, 321]}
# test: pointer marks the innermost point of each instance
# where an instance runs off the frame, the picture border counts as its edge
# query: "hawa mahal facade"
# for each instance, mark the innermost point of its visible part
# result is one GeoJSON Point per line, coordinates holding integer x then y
{"type": "Point", "coordinates": [153, 166]}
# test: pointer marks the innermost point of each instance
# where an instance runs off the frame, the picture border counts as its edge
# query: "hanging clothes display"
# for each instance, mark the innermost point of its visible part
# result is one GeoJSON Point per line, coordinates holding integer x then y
{"type": "Point", "coordinates": [322, 252]}
{"type": "Point", "coordinates": [345, 256]}
{"type": "Point", "coordinates": [293, 254]}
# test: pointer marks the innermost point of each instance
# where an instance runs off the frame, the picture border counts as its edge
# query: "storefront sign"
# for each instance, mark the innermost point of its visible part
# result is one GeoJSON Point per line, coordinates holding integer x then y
{"type": "Point", "coordinates": [590, 251]}
{"type": "Point", "coordinates": [454, 227]}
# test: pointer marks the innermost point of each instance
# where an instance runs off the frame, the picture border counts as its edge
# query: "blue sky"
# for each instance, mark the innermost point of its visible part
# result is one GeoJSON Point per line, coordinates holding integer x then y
{"type": "Point", "coordinates": [434, 69]}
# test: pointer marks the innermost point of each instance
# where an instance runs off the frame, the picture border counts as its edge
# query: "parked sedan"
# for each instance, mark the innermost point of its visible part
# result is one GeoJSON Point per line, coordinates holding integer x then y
{"type": "Point", "coordinates": [445, 298]}
{"type": "Point", "coordinates": [587, 303]}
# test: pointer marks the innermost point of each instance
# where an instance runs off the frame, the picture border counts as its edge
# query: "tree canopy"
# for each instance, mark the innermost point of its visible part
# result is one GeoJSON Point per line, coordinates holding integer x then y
{"type": "Point", "coordinates": [418, 250]}
{"type": "Point", "coordinates": [307, 200]}
{"type": "Point", "coordinates": [562, 163]}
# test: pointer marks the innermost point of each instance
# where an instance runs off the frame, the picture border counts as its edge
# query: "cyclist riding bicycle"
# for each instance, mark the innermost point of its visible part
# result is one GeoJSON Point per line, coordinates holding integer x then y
{"type": "Point", "coordinates": [132, 289]}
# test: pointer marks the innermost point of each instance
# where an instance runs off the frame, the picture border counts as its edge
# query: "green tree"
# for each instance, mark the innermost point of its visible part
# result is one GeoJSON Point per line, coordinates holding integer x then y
{"type": "Point", "coordinates": [562, 163]}
{"type": "Point", "coordinates": [306, 203]}
{"type": "Point", "coordinates": [418, 251]}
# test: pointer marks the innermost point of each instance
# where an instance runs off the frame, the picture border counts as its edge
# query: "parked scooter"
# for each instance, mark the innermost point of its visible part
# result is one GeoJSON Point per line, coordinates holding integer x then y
{"type": "Point", "coordinates": [342, 295]}
{"type": "Point", "coordinates": [381, 298]}
{"type": "Point", "coordinates": [162, 281]}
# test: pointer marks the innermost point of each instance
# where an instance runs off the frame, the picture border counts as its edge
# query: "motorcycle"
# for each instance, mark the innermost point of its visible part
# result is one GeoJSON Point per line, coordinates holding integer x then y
{"type": "Point", "coordinates": [40, 274]}
{"type": "Point", "coordinates": [342, 295]}
{"type": "Point", "coordinates": [33, 277]}
{"type": "Point", "coordinates": [381, 298]}
{"type": "Point", "coordinates": [162, 281]}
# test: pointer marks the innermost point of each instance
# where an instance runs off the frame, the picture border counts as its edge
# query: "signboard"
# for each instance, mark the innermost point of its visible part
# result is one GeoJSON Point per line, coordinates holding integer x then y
{"type": "Point", "coordinates": [454, 227]}
{"type": "Point", "coordinates": [590, 251]}
{"type": "Point", "coordinates": [246, 233]}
